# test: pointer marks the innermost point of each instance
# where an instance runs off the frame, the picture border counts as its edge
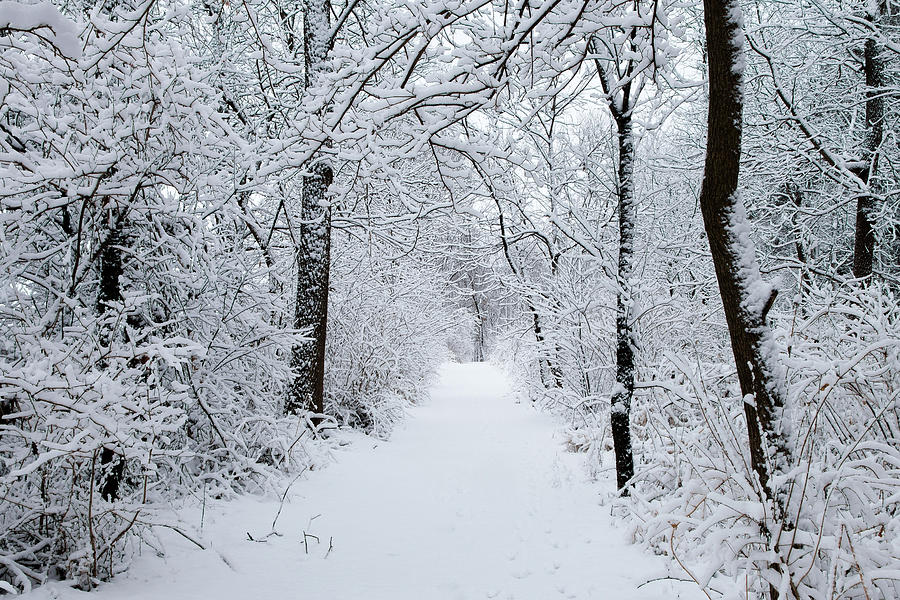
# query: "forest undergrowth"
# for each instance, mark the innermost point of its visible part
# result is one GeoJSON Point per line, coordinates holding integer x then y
{"type": "Point", "coordinates": [695, 497]}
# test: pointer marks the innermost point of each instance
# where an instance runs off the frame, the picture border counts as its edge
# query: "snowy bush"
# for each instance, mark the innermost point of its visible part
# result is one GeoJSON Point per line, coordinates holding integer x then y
{"type": "Point", "coordinates": [698, 500]}
{"type": "Point", "coordinates": [141, 355]}
{"type": "Point", "coordinates": [387, 335]}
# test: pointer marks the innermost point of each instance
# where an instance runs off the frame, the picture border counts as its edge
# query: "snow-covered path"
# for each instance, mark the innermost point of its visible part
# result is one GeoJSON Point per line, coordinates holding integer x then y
{"type": "Point", "coordinates": [474, 497]}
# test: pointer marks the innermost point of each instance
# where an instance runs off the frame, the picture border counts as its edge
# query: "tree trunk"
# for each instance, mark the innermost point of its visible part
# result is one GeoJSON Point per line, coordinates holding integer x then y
{"type": "Point", "coordinates": [478, 350]}
{"type": "Point", "coordinates": [620, 412]}
{"type": "Point", "coordinates": [311, 302]}
{"type": "Point", "coordinates": [306, 391]}
{"type": "Point", "coordinates": [621, 99]}
{"type": "Point", "coordinates": [796, 196]}
{"type": "Point", "coordinates": [546, 365]}
{"type": "Point", "coordinates": [745, 297]}
{"type": "Point", "coordinates": [864, 244]}
{"type": "Point", "coordinates": [110, 269]}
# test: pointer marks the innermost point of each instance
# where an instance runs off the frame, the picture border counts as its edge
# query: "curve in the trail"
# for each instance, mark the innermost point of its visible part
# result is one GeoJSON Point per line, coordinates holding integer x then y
{"type": "Point", "coordinates": [474, 497]}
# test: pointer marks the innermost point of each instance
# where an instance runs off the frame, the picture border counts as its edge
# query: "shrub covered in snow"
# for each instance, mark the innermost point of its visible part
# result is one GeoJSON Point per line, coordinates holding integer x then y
{"type": "Point", "coordinates": [698, 500]}
{"type": "Point", "coordinates": [387, 336]}
{"type": "Point", "coordinates": [141, 357]}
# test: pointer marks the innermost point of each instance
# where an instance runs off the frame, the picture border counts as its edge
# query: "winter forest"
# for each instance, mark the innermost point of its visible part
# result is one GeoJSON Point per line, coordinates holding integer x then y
{"type": "Point", "coordinates": [240, 236]}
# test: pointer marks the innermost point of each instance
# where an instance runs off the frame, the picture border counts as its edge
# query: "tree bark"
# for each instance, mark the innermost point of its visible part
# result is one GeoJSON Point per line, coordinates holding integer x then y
{"type": "Point", "coordinates": [620, 411]}
{"type": "Point", "coordinates": [796, 197]}
{"type": "Point", "coordinates": [864, 243]}
{"type": "Point", "coordinates": [621, 99]}
{"type": "Point", "coordinates": [313, 261]}
{"type": "Point", "coordinates": [311, 302]}
{"type": "Point", "coordinates": [110, 267]}
{"type": "Point", "coordinates": [745, 298]}
{"type": "Point", "coordinates": [478, 350]}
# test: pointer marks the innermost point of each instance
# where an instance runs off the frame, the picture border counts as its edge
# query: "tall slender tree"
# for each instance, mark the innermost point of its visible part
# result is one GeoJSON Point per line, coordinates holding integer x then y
{"type": "Point", "coordinates": [617, 79]}
{"type": "Point", "coordinates": [746, 299]}
{"type": "Point", "coordinates": [110, 268]}
{"type": "Point", "coordinates": [313, 253]}
{"type": "Point", "coordinates": [873, 70]}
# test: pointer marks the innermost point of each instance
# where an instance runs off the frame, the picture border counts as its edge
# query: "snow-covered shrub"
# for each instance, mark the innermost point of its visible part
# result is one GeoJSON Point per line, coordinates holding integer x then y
{"type": "Point", "coordinates": [387, 334]}
{"type": "Point", "coordinates": [140, 356]}
{"type": "Point", "coordinates": [699, 501]}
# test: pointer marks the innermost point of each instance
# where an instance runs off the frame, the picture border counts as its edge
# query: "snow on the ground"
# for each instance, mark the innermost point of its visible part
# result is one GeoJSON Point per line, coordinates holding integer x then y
{"type": "Point", "coordinates": [475, 497]}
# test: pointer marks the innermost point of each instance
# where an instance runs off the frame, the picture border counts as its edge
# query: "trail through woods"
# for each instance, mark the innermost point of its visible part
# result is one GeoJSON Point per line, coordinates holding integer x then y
{"type": "Point", "coordinates": [474, 497]}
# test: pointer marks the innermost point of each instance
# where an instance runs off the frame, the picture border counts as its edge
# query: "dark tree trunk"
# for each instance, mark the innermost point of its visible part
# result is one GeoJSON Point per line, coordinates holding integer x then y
{"type": "Point", "coordinates": [306, 391]}
{"type": "Point", "coordinates": [620, 412]}
{"type": "Point", "coordinates": [553, 362]}
{"type": "Point", "coordinates": [621, 98]}
{"type": "Point", "coordinates": [743, 299]}
{"type": "Point", "coordinates": [478, 351]}
{"type": "Point", "coordinates": [864, 243]}
{"type": "Point", "coordinates": [110, 267]}
{"type": "Point", "coordinates": [311, 303]}
{"type": "Point", "coordinates": [539, 338]}
{"type": "Point", "coordinates": [546, 366]}
{"type": "Point", "coordinates": [796, 196]}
